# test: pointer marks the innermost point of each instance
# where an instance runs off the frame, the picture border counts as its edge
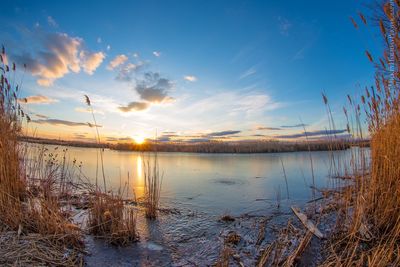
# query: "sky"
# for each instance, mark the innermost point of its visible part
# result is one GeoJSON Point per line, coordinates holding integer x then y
{"type": "Point", "coordinates": [187, 70]}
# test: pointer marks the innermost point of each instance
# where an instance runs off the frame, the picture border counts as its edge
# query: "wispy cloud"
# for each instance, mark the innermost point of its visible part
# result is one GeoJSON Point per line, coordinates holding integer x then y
{"type": "Point", "coordinates": [115, 139]}
{"type": "Point", "coordinates": [86, 110]}
{"type": "Point", "coordinates": [311, 134]}
{"type": "Point", "coordinates": [262, 128]}
{"type": "Point", "coordinates": [52, 22]}
{"type": "Point", "coordinates": [248, 73]}
{"type": "Point", "coordinates": [284, 26]}
{"type": "Point", "coordinates": [41, 116]}
{"type": "Point", "coordinates": [63, 123]}
{"type": "Point", "coordinates": [157, 53]}
{"type": "Point", "coordinates": [222, 133]}
{"type": "Point", "coordinates": [118, 60]}
{"type": "Point", "coordinates": [134, 106]}
{"type": "Point", "coordinates": [190, 78]}
{"type": "Point", "coordinates": [294, 126]}
{"type": "Point", "coordinates": [127, 70]}
{"type": "Point", "coordinates": [37, 99]}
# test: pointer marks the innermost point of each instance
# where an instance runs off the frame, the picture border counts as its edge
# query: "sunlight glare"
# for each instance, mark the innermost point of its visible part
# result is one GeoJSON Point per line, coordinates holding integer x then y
{"type": "Point", "coordinates": [139, 139]}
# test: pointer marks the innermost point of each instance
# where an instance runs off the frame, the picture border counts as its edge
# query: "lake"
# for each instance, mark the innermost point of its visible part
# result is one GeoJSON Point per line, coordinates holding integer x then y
{"type": "Point", "coordinates": [202, 187]}
{"type": "Point", "coordinates": [214, 182]}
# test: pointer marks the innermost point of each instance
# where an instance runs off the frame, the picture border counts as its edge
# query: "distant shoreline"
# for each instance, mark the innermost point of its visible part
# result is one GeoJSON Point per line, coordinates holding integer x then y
{"type": "Point", "coordinates": [240, 147]}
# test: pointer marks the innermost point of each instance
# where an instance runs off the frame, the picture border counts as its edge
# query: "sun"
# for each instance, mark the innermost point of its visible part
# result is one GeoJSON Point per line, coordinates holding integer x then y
{"type": "Point", "coordinates": [139, 139]}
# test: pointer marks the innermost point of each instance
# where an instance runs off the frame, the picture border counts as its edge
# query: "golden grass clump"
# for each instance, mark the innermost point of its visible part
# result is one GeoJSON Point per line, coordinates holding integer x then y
{"type": "Point", "coordinates": [33, 218]}
{"type": "Point", "coordinates": [372, 205]}
{"type": "Point", "coordinates": [110, 219]}
{"type": "Point", "coordinates": [152, 187]}
{"type": "Point", "coordinates": [11, 186]}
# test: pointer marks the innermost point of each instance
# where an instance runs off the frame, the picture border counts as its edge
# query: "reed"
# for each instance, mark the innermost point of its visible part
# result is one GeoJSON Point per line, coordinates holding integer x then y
{"type": "Point", "coordinates": [11, 186]}
{"type": "Point", "coordinates": [109, 218]}
{"type": "Point", "coordinates": [371, 205]}
{"type": "Point", "coordinates": [29, 192]}
{"type": "Point", "coordinates": [152, 187]}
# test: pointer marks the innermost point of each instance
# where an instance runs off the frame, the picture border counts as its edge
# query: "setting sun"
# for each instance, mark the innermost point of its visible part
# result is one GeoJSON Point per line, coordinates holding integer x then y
{"type": "Point", "coordinates": [139, 139]}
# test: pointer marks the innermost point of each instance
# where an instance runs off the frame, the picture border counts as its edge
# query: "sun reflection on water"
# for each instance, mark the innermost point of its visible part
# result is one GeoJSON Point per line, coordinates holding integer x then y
{"type": "Point", "coordinates": [139, 185]}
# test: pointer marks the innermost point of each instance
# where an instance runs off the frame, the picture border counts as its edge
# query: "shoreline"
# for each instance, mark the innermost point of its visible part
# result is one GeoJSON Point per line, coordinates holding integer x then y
{"type": "Point", "coordinates": [270, 147]}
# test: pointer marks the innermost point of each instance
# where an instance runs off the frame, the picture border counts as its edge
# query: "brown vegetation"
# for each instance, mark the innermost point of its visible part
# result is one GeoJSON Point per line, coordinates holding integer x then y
{"type": "Point", "coordinates": [371, 210]}
{"type": "Point", "coordinates": [110, 219]}
{"type": "Point", "coordinates": [270, 146]}
{"type": "Point", "coordinates": [152, 187]}
{"type": "Point", "coordinates": [29, 207]}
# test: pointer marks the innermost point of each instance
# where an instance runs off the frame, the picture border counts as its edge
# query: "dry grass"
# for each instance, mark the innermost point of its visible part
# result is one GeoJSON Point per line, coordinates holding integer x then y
{"type": "Point", "coordinates": [371, 206]}
{"type": "Point", "coordinates": [29, 197]}
{"type": "Point", "coordinates": [152, 187]}
{"type": "Point", "coordinates": [286, 248]}
{"type": "Point", "coordinates": [110, 219]}
{"type": "Point", "coordinates": [12, 187]}
{"type": "Point", "coordinates": [35, 250]}
{"type": "Point", "coordinates": [108, 216]}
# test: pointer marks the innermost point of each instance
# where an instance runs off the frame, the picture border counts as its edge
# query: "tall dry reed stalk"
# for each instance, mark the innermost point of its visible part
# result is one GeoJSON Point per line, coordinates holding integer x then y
{"type": "Point", "coordinates": [98, 140]}
{"type": "Point", "coordinates": [152, 186]}
{"type": "Point", "coordinates": [11, 185]}
{"type": "Point", "coordinates": [108, 216]}
{"type": "Point", "coordinates": [372, 204]}
{"type": "Point", "coordinates": [29, 193]}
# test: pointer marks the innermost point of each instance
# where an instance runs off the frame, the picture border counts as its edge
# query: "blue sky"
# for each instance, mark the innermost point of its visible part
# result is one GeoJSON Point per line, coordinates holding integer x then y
{"type": "Point", "coordinates": [187, 69]}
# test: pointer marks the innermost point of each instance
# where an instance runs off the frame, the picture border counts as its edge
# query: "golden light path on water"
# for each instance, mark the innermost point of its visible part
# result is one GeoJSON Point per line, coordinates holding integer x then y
{"type": "Point", "coordinates": [139, 188]}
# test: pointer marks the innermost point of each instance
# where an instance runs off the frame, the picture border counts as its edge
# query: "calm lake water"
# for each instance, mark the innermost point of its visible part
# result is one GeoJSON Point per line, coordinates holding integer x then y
{"type": "Point", "coordinates": [215, 183]}
{"type": "Point", "coordinates": [202, 187]}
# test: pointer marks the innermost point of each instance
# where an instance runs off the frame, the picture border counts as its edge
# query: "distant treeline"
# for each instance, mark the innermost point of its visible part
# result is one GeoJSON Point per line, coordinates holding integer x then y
{"type": "Point", "coordinates": [261, 146]}
{"type": "Point", "coordinates": [46, 141]}
{"type": "Point", "coordinates": [240, 147]}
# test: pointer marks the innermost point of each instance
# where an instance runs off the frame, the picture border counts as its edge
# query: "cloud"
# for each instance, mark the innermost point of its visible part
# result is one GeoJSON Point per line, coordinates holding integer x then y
{"type": "Point", "coordinates": [99, 40]}
{"type": "Point", "coordinates": [134, 106]}
{"type": "Point", "coordinates": [52, 22]}
{"type": "Point", "coordinates": [190, 78]}
{"type": "Point", "coordinates": [248, 73]}
{"type": "Point", "coordinates": [222, 133]}
{"type": "Point", "coordinates": [118, 60]}
{"type": "Point", "coordinates": [108, 47]}
{"type": "Point", "coordinates": [86, 110]}
{"type": "Point", "coordinates": [153, 88]}
{"type": "Point", "coordinates": [81, 135]}
{"type": "Point", "coordinates": [41, 116]}
{"type": "Point", "coordinates": [157, 53]}
{"type": "Point", "coordinates": [63, 122]}
{"type": "Point", "coordinates": [261, 128]}
{"type": "Point", "coordinates": [321, 133]}
{"type": "Point", "coordinates": [284, 26]}
{"type": "Point", "coordinates": [59, 54]}
{"type": "Point", "coordinates": [114, 139]}
{"type": "Point", "coordinates": [37, 99]}
{"type": "Point", "coordinates": [91, 61]}
{"type": "Point", "coordinates": [198, 140]}
{"type": "Point", "coordinates": [126, 71]}
{"type": "Point", "coordinates": [164, 138]}
{"type": "Point", "coordinates": [44, 82]}
{"type": "Point", "coordinates": [294, 126]}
